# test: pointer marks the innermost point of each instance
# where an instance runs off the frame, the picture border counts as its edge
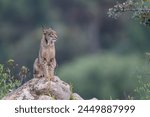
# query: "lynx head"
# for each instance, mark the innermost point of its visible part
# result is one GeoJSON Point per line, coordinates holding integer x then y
{"type": "Point", "coordinates": [50, 36]}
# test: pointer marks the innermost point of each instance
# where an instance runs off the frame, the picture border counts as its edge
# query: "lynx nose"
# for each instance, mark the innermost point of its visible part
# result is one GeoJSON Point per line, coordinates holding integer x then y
{"type": "Point", "coordinates": [55, 37]}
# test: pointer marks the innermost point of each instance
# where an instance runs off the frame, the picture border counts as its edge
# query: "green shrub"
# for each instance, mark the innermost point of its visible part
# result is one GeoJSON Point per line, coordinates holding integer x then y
{"type": "Point", "coordinates": [142, 91]}
{"type": "Point", "coordinates": [102, 76]}
{"type": "Point", "coordinates": [11, 77]}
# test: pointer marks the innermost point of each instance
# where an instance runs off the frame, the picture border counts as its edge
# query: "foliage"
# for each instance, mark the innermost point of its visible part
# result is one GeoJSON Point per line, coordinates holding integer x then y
{"type": "Point", "coordinates": [102, 76]}
{"type": "Point", "coordinates": [140, 10]}
{"type": "Point", "coordinates": [142, 91]}
{"type": "Point", "coordinates": [11, 77]}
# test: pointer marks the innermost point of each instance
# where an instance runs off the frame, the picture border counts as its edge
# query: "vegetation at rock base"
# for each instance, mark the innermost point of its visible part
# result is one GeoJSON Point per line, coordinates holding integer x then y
{"type": "Point", "coordinates": [11, 77]}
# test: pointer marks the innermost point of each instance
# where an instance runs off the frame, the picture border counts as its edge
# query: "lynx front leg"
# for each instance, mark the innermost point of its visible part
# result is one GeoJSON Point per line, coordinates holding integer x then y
{"type": "Point", "coordinates": [52, 66]}
{"type": "Point", "coordinates": [52, 63]}
{"type": "Point", "coordinates": [46, 72]}
{"type": "Point", "coordinates": [37, 69]}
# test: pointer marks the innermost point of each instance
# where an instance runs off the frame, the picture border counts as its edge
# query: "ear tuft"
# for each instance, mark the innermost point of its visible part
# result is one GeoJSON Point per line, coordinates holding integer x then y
{"type": "Point", "coordinates": [43, 29]}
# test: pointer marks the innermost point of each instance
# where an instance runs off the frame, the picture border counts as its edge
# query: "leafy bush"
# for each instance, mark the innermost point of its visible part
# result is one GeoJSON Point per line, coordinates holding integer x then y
{"type": "Point", "coordinates": [140, 10]}
{"type": "Point", "coordinates": [11, 77]}
{"type": "Point", "coordinates": [142, 91]}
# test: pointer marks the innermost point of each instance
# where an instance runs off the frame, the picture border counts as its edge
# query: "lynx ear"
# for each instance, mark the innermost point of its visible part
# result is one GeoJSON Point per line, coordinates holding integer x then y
{"type": "Point", "coordinates": [43, 29]}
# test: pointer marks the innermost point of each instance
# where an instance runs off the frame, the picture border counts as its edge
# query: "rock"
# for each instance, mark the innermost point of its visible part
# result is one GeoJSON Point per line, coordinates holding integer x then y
{"type": "Point", "coordinates": [60, 90]}
{"type": "Point", "coordinates": [94, 99]}
{"type": "Point", "coordinates": [45, 97]}
{"type": "Point", "coordinates": [41, 89]}
{"type": "Point", "coordinates": [76, 96]}
{"type": "Point", "coordinates": [25, 95]}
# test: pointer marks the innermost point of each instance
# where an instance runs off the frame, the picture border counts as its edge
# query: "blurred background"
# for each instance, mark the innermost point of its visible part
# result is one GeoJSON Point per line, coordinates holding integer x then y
{"type": "Point", "coordinates": [99, 56]}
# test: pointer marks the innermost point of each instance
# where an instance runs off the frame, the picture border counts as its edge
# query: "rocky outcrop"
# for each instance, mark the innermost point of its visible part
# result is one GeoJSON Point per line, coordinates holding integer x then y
{"type": "Point", "coordinates": [41, 89]}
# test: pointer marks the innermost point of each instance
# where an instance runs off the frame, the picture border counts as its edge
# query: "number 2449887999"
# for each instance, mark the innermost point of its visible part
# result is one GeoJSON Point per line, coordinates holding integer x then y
{"type": "Point", "coordinates": [106, 109]}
